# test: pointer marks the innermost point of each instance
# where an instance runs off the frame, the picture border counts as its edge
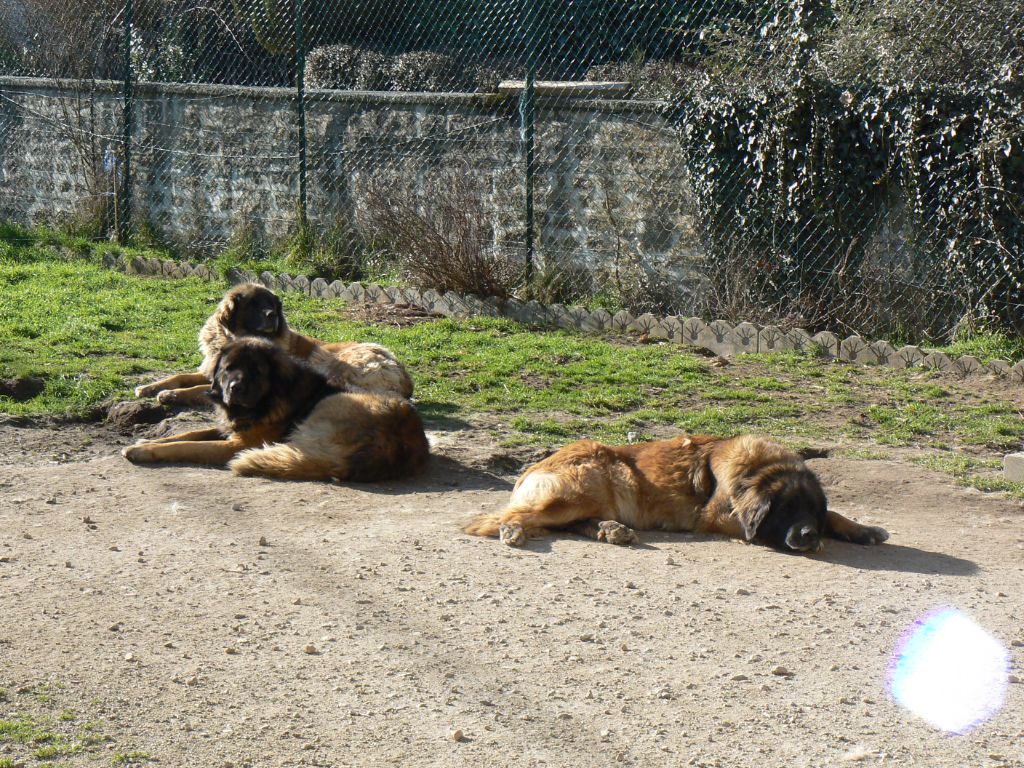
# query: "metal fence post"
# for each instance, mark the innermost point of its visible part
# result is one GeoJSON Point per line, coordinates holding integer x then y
{"type": "Point", "coordinates": [300, 95]}
{"type": "Point", "coordinates": [528, 119]}
{"type": "Point", "coordinates": [125, 208]}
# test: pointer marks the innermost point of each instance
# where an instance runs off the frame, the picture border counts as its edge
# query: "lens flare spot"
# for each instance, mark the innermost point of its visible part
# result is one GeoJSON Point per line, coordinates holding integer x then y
{"type": "Point", "coordinates": [949, 671]}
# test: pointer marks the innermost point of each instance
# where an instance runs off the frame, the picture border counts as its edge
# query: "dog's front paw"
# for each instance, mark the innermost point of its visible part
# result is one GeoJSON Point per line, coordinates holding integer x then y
{"type": "Point", "coordinates": [146, 390]}
{"type": "Point", "coordinates": [512, 534]}
{"type": "Point", "coordinates": [616, 533]}
{"type": "Point", "coordinates": [138, 453]}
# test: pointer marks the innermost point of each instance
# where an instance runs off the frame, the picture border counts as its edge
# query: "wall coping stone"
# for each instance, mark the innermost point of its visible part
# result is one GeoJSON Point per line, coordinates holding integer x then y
{"type": "Point", "coordinates": [315, 96]}
{"type": "Point", "coordinates": [718, 336]}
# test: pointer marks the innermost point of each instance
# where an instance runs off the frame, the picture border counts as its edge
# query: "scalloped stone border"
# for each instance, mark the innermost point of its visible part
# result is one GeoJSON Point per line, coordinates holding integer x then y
{"type": "Point", "coordinates": [718, 336]}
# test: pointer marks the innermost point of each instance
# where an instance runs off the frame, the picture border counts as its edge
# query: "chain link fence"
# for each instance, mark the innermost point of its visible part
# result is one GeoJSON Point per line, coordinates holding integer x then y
{"type": "Point", "coordinates": [850, 165]}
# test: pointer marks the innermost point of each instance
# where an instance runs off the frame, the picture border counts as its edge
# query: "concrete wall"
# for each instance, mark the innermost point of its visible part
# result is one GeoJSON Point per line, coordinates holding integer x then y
{"type": "Point", "coordinates": [213, 160]}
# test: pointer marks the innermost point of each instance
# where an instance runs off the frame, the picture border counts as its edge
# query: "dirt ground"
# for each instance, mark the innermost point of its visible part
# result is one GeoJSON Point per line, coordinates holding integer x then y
{"type": "Point", "coordinates": [200, 619]}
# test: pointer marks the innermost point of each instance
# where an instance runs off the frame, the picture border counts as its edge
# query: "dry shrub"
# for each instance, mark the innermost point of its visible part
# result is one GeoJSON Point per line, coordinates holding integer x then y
{"type": "Point", "coordinates": [443, 240]}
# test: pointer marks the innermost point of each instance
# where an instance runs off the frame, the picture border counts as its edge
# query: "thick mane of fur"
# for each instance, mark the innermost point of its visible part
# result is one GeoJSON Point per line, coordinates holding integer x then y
{"type": "Point", "coordinates": [293, 387]}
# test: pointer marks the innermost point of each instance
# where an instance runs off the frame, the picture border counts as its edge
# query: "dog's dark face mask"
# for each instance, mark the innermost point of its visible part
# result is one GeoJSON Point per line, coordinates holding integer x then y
{"type": "Point", "coordinates": [792, 517]}
{"type": "Point", "coordinates": [795, 520]}
{"type": "Point", "coordinates": [259, 314]}
{"type": "Point", "coordinates": [241, 381]}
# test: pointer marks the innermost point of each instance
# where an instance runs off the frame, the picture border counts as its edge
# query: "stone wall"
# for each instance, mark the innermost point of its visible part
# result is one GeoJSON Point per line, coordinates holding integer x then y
{"type": "Point", "coordinates": [212, 161]}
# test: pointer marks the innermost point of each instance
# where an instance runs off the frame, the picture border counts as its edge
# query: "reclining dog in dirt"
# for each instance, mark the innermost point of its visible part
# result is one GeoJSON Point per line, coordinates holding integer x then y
{"type": "Point", "coordinates": [253, 310]}
{"type": "Point", "coordinates": [744, 487]}
{"type": "Point", "coordinates": [282, 418]}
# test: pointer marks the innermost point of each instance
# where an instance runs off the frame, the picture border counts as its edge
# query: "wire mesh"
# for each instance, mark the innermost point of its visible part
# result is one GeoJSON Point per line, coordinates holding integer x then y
{"type": "Point", "coordinates": [855, 165]}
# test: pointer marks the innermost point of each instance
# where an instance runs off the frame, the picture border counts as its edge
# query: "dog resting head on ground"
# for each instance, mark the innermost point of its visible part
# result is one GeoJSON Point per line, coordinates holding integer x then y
{"type": "Point", "coordinates": [745, 487]}
{"type": "Point", "coordinates": [309, 429]}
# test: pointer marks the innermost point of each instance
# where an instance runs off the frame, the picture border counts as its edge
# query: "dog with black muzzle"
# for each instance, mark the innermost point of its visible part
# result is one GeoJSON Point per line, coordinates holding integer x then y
{"type": "Point", "coordinates": [282, 418]}
{"type": "Point", "coordinates": [251, 309]}
{"type": "Point", "coordinates": [745, 487]}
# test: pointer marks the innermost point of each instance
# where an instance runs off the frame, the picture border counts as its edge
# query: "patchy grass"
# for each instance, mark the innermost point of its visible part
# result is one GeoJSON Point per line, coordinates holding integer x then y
{"type": "Point", "coordinates": [92, 334]}
{"type": "Point", "coordinates": [971, 472]}
{"type": "Point", "coordinates": [131, 758]}
{"type": "Point", "coordinates": [40, 733]}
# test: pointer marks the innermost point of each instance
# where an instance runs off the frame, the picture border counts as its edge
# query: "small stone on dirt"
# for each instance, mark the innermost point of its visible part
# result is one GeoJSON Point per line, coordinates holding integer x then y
{"type": "Point", "coordinates": [742, 591]}
{"type": "Point", "coordinates": [781, 671]}
{"type": "Point", "coordinates": [310, 649]}
{"type": "Point", "coordinates": [458, 735]}
{"type": "Point", "coordinates": [263, 541]}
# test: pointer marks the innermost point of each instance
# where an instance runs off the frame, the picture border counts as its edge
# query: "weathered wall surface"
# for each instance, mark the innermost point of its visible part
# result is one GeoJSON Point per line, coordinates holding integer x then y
{"type": "Point", "coordinates": [211, 161]}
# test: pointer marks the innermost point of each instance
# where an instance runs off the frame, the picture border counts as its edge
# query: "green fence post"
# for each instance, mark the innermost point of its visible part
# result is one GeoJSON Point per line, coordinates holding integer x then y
{"type": "Point", "coordinates": [528, 119]}
{"type": "Point", "coordinates": [123, 223]}
{"type": "Point", "coordinates": [300, 95]}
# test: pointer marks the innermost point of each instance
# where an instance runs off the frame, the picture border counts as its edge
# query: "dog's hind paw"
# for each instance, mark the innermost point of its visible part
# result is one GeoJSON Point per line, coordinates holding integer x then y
{"type": "Point", "coordinates": [512, 534]}
{"type": "Point", "coordinates": [870, 534]}
{"type": "Point", "coordinates": [167, 397]}
{"type": "Point", "coordinates": [616, 533]}
{"type": "Point", "coordinates": [136, 453]}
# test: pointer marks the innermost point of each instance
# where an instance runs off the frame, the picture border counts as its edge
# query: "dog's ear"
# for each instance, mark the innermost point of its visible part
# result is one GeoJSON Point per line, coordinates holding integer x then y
{"type": "Point", "coordinates": [228, 310]}
{"type": "Point", "coordinates": [279, 308]}
{"type": "Point", "coordinates": [215, 393]}
{"type": "Point", "coordinates": [751, 508]}
{"type": "Point", "coordinates": [281, 367]}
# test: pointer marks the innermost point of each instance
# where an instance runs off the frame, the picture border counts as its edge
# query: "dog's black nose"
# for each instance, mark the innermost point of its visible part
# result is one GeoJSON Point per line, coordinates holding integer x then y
{"type": "Point", "coordinates": [802, 538]}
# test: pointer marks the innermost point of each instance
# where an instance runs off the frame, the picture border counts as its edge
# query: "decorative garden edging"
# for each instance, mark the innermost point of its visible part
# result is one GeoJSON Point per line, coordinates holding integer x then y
{"type": "Point", "coordinates": [718, 336]}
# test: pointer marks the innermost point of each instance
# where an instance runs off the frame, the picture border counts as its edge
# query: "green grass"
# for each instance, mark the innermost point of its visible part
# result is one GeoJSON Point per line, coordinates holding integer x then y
{"type": "Point", "coordinates": [91, 334]}
{"type": "Point", "coordinates": [39, 737]}
{"type": "Point", "coordinates": [971, 472]}
{"type": "Point", "coordinates": [42, 733]}
{"type": "Point", "coordinates": [987, 345]}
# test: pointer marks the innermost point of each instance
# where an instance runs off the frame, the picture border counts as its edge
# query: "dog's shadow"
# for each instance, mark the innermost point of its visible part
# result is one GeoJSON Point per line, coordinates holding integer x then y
{"type": "Point", "coordinates": [896, 557]}
{"type": "Point", "coordinates": [441, 474]}
{"type": "Point", "coordinates": [883, 557]}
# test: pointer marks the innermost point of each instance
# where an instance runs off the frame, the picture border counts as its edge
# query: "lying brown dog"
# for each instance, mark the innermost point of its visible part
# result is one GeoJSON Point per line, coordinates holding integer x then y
{"type": "Point", "coordinates": [282, 418]}
{"type": "Point", "coordinates": [745, 487]}
{"type": "Point", "coordinates": [252, 310]}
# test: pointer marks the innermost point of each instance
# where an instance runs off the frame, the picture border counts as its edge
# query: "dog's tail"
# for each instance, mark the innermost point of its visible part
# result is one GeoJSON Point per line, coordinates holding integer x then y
{"type": "Point", "coordinates": [484, 525]}
{"type": "Point", "coordinates": [283, 460]}
{"type": "Point", "coordinates": [535, 496]}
